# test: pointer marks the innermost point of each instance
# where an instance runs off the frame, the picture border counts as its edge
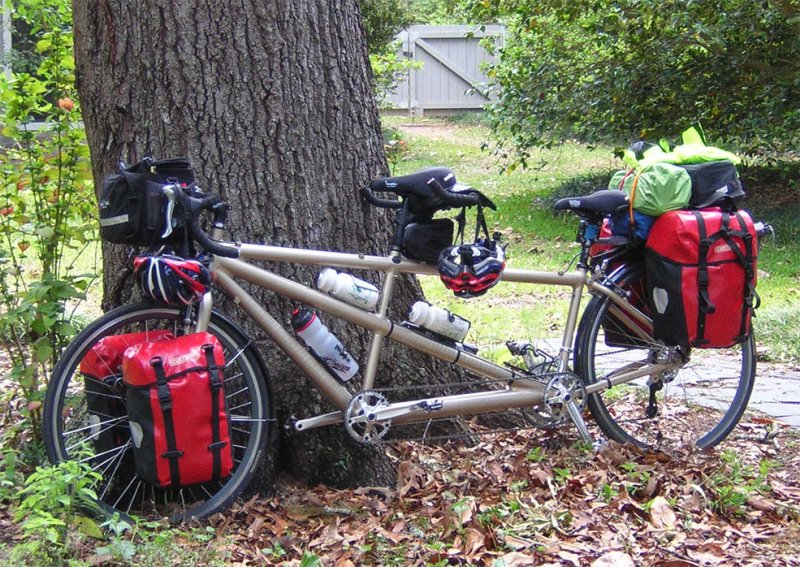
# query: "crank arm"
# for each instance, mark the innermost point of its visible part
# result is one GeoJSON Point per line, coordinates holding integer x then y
{"type": "Point", "coordinates": [318, 421]}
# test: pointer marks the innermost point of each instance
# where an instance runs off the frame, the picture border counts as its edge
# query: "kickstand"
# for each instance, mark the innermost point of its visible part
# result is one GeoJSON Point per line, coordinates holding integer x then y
{"type": "Point", "coordinates": [652, 406]}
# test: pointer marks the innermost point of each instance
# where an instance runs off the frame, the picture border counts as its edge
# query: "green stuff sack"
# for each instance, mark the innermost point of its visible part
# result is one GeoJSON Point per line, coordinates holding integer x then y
{"type": "Point", "coordinates": [656, 189]}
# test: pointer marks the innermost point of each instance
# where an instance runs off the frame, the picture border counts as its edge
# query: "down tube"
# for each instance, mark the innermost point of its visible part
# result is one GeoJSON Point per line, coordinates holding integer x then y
{"type": "Point", "coordinates": [364, 319]}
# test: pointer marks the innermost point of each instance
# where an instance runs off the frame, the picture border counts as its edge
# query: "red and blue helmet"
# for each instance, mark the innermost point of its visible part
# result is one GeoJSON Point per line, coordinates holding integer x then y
{"type": "Point", "coordinates": [171, 279]}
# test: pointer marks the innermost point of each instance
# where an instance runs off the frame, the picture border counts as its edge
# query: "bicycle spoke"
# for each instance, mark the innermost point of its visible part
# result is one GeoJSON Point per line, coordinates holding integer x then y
{"type": "Point", "coordinates": [694, 404]}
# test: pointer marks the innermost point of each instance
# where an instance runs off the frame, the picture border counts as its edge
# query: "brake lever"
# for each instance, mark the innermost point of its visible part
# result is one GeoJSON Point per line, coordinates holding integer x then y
{"type": "Point", "coordinates": [169, 191]}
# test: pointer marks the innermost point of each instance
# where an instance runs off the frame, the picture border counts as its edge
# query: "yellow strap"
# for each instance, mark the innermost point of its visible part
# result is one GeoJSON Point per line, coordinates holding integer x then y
{"type": "Point", "coordinates": [625, 178]}
{"type": "Point", "coordinates": [632, 197]}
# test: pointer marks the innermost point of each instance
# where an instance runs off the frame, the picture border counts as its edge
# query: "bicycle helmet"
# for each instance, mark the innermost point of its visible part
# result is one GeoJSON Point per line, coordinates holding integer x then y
{"type": "Point", "coordinates": [469, 270]}
{"type": "Point", "coordinates": [171, 279]}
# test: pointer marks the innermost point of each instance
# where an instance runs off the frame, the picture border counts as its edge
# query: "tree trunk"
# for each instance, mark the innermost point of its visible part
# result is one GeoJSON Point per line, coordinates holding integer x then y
{"type": "Point", "coordinates": [272, 102]}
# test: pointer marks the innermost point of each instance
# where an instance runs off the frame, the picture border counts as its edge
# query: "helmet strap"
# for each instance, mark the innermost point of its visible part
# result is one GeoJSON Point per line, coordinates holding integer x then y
{"type": "Point", "coordinates": [480, 224]}
{"type": "Point", "coordinates": [461, 219]}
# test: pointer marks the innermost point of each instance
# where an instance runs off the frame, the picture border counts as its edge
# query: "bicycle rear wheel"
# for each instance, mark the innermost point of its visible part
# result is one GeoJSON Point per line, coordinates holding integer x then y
{"type": "Point", "coordinates": [73, 432]}
{"type": "Point", "coordinates": [698, 404]}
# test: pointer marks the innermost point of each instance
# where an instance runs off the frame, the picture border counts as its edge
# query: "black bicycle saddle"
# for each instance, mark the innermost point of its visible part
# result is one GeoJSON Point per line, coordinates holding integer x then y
{"type": "Point", "coordinates": [598, 204]}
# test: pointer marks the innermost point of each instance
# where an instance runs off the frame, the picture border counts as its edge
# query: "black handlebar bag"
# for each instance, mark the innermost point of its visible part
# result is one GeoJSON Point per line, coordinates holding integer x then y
{"type": "Point", "coordinates": [101, 369]}
{"type": "Point", "coordinates": [176, 409]}
{"type": "Point", "coordinates": [701, 277]}
{"type": "Point", "coordinates": [133, 206]}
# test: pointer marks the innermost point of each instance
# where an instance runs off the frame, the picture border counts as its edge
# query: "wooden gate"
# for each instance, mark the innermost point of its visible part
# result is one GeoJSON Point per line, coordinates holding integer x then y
{"type": "Point", "coordinates": [452, 77]}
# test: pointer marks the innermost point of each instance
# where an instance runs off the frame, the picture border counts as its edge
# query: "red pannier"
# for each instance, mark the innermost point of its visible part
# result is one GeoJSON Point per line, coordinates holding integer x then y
{"type": "Point", "coordinates": [701, 277]}
{"type": "Point", "coordinates": [176, 408]}
{"type": "Point", "coordinates": [101, 368]}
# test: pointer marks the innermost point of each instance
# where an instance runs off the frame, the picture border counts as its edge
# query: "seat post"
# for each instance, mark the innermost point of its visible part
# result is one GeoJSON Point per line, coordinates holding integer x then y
{"type": "Point", "coordinates": [588, 234]}
{"type": "Point", "coordinates": [400, 227]}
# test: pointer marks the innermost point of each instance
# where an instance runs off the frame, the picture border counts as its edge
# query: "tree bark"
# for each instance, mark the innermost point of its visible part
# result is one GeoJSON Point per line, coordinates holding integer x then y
{"type": "Point", "coordinates": [272, 102]}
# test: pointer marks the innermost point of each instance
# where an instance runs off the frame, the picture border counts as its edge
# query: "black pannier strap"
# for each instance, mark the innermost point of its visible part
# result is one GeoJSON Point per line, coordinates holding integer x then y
{"type": "Point", "coordinates": [745, 258]}
{"type": "Point", "coordinates": [165, 401]}
{"type": "Point", "coordinates": [215, 383]}
{"type": "Point", "coordinates": [705, 306]}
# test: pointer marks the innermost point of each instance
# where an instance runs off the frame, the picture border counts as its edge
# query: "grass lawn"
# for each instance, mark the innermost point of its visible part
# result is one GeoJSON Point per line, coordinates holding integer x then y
{"type": "Point", "coordinates": [538, 239]}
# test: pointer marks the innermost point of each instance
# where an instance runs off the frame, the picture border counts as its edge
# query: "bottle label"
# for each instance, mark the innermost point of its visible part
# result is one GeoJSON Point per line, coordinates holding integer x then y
{"type": "Point", "coordinates": [362, 295]}
{"type": "Point", "coordinates": [341, 361]}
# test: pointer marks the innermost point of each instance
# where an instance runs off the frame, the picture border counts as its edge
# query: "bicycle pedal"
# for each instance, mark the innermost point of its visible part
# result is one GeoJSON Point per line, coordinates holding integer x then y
{"type": "Point", "coordinates": [290, 426]}
{"type": "Point", "coordinates": [518, 348]}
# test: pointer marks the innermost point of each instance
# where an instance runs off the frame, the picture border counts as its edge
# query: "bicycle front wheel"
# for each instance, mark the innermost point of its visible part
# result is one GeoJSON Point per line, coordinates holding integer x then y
{"type": "Point", "coordinates": [693, 407]}
{"type": "Point", "coordinates": [86, 419]}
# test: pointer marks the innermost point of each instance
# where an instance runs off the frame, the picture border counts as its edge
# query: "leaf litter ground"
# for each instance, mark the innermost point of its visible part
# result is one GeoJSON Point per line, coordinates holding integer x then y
{"type": "Point", "coordinates": [502, 502]}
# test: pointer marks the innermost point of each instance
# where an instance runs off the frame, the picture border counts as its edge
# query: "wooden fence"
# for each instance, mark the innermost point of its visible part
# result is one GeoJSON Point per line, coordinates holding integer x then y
{"type": "Point", "coordinates": [452, 77]}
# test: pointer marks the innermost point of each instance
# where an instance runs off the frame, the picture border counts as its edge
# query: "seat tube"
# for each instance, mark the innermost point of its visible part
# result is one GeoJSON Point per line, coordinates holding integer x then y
{"type": "Point", "coordinates": [376, 344]}
{"type": "Point", "coordinates": [568, 340]}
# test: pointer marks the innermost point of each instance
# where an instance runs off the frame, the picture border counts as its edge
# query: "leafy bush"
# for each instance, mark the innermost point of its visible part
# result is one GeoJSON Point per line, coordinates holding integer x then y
{"type": "Point", "coordinates": [619, 71]}
{"type": "Point", "coordinates": [441, 12]}
{"type": "Point", "coordinates": [47, 203]}
{"type": "Point", "coordinates": [388, 68]}
{"type": "Point", "coordinates": [383, 19]}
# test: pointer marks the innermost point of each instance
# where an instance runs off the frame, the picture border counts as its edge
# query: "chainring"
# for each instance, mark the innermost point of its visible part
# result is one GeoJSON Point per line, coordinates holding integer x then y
{"type": "Point", "coordinates": [560, 388]}
{"type": "Point", "coordinates": [360, 421]}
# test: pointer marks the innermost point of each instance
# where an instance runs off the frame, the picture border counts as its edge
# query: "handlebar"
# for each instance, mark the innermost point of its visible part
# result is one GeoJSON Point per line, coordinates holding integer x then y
{"type": "Point", "coordinates": [369, 197]}
{"type": "Point", "coordinates": [193, 205]}
{"type": "Point", "coordinates": [453, 200]}
{"type": "Point", "coordinates": [445, 197]}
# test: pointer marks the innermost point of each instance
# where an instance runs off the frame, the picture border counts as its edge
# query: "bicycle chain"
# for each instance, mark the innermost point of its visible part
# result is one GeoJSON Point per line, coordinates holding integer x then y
{"type": "Point", "coordinates": [543, 379]}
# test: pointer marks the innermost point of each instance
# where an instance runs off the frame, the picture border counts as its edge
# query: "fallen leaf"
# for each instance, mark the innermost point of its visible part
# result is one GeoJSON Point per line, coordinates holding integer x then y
{"type": "Point", "coordinates": [514, 559]}
{"type": "Point", "coordinates": [474, 541]}
{"type": "Point", "coordinates": [708, 554]}
{"type": "Point", "coordinates": [762, 504]}
{"type": "Point", "coordinates": [516, 543]}
{"type": "Point", "coordinates": [573, 558]}
{"type": "Point", "coordinates": [661, 513]}
{"type": "Point", "coordinates": [614, 559]}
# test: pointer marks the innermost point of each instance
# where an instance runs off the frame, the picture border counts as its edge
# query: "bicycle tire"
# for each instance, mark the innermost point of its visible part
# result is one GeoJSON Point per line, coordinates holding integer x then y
{"type": "Point", "coordinates": [698, 405]}
{"type": "Point", "coordinates": [67, 429]}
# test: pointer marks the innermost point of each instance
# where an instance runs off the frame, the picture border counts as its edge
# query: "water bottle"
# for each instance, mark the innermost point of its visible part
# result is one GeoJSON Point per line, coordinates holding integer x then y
{"type": "Point", "coordinates": [439, 320]}
{"type": "Point", "coordinates": [324, 344]}
{"type": "Point", "coordinates": [348, 288]}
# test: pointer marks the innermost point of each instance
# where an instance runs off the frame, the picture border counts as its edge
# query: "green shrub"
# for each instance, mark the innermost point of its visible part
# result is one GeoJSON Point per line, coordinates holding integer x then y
{"type": "Point", "coordinates": [620, 71]}
{"type": "Point", "coordinates": [47, 203]}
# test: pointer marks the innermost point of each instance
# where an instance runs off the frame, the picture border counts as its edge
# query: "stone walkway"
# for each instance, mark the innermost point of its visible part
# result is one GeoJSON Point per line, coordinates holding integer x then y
{"type": "Point", "coordinates": [777, 392]}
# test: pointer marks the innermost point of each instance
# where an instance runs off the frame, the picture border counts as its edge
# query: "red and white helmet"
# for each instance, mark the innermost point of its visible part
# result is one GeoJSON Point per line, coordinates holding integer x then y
{"type": "Point", "coordinates": [469, 270]}
{"type": "Point", "coordinates": [170, 279]}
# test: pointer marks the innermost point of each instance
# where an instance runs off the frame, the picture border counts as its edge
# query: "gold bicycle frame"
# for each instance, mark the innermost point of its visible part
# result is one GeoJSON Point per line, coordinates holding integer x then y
{"type": "Point", "coordinates": [520, 390]}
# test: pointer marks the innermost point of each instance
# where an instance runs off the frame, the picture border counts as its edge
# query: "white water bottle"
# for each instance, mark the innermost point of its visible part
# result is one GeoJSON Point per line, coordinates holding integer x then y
{"type": "Point", "coordinates": [349, 288]}
{"type": "Point", "coordinates": [439, 320]}
{"type": "Point", "coordinates": [324, 344]}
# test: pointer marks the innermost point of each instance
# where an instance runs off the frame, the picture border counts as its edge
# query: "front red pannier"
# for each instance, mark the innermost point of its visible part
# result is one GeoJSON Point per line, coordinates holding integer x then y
{"type": "Point", "coordinates": [101, 368]}
{"type": "Point", "coordinates": [701, 277]}
{"type": "Point", "coordinates": [176, 408]}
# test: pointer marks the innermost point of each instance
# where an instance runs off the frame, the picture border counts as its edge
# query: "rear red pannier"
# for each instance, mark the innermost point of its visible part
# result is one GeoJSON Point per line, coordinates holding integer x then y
{"type": "Point", "coordinates": [701, 277]}
{"type": "Point", "coordinates": [101, 368]}
{"type": "Point", "coordinates": [176, 408]}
